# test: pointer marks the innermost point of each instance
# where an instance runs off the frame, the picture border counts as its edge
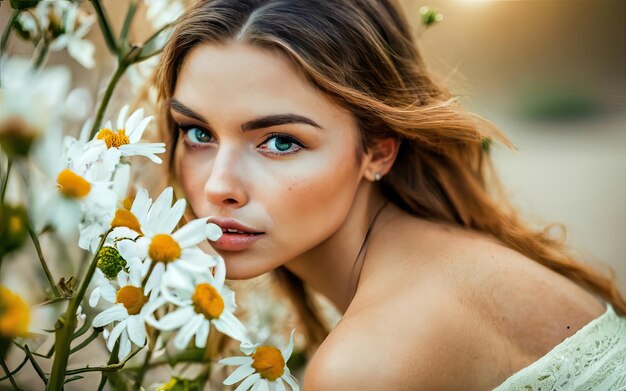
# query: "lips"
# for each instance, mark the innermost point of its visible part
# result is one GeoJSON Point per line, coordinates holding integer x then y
{"type": "Point", "coordinates": [236, 235]}
{"type": "Point", "coordinates": [232, 225]}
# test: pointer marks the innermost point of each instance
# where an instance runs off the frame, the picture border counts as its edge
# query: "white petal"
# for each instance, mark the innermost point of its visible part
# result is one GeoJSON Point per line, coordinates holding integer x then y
{"type": "Point", "coordinates": [136, 330]}
{"type": "Point", "coordinates": [108, 293]}
{"type": "Point", "coordinates": [248, 382]}
{"type": "Point", "coordinates": [220, 271]}
{"type": "Point", "coordinates": [155, 278]}
{"type": "Point", "coordinates": [82, 51]}
{"type": "Point", "coordinates": [112, 314]}
{"type": "Point", "coordinates": [115, 333]}
{"type": "Point", "coordinates": [144, 150]}
{"type": "Point", "coordinates": [213, 232]}
{"type": "Point", "coordinates": [124, 347]}
{"type": "Point", "coordinates": [202, 335]}
{"type": "Point", "coordinates": [178, 278]}
{"type": "Point", "coordinates": [278, 385]}
{"type": "Point", "coordinates": [237, 360]}
{"type": "Point", "coordinates": [194, 260]}
{"type": "Point", "coordinates": [122, 278]}
{"type": "Point", "coordinates": [137, 131]}
{"type": "Point", "coordinates": [263, 385]}
{"type": "Point", "coordinates": [289, 349]}
{"type": "Point", "coordinates": [176, 319]}
{"type": "Point", "coordinates": [130, 249]}
{"type": "Point", "coordinates": [238, 374]}
{"type": "Point", "coordinates": [248, 347]}
{"type": "Point", "coordinates": [191, 233]}
{"type": "Point", "coordinates": [171, 218]}
{"type": "Point", "coordinates": [121, 118]}
{"type": "Point", "coordinates": [187, 332]}
{"type": "Point", "coordinates": [231, 326]}
{"type": "Point", "coordinates": [293, 383]}
{"type": "Point", "coordinates": [160, 206]}
{"type": "Point", "coordinates": [94, 298]}
{"type": "Point", "coordinates": [141, 205]}
{"type": "Point", "coordinates": [151, 306]}
{"type": "Point", "coordinates": [134, 120]}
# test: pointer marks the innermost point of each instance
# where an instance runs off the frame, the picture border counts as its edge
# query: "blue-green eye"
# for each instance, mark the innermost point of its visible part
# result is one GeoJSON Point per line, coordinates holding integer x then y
{"type": "Point", "coordinates": [196, 135]}
{"type": "Point", "coordinates": [281, 145]}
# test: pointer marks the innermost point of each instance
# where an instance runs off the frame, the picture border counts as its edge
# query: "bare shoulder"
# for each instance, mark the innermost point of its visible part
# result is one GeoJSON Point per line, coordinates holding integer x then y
{"type": "Point", "coordinates": [393, 344]}
{"type": "Point", "coordinates": [455, 310]}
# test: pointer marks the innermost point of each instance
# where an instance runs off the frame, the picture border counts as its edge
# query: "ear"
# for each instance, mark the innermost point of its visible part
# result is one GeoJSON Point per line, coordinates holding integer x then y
{"type": "Point", "coordinates": [380, 157]}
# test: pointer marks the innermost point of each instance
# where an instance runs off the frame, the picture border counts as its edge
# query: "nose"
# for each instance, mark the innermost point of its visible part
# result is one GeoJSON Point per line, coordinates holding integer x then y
{"type": "Point", "coordinates": [224, 187]}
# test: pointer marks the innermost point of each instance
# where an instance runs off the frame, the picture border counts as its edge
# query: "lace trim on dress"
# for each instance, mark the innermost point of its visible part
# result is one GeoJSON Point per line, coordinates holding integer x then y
{"type": "Point", "coordinates": [594, 358]}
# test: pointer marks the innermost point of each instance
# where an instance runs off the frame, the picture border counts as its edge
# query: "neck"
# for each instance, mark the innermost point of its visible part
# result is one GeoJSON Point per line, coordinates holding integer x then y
{"type": "Point", "coordinates": [339, 252]}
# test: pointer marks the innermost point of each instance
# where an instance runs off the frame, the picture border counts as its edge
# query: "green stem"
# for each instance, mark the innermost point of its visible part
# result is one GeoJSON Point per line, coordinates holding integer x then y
{"type": "Point", "coordinates": [106, 98]}
{"type": "Point", "coordinates": [65, 326]}
{"type": "Point", "coordinates": [16, 370]}
{"type": "Point", "coordinates": [4, 41]}
{"type": "Point", "coordinates": [9, 374]}
{"type": "Point", "coordinates": [146, 361]}
{"type": "Point", "coordinates": [128, 21]}
{"type": "Point", "coordinates": [5, 181]}
{"type": "Point", "coordinates": [35, 365]}
{"type": "Point", "coordinates": [107, 368]}
{"type": "Point", "coordinates": [44, 265]}
{"type": "Point", "coordinates": [105, 26]}
{"type": "Point", "coordinates": [112, 360]}
{"type": "Point", "coordinates": [86, 342]}
{"type": "Point", "coordinates": [43, 53]}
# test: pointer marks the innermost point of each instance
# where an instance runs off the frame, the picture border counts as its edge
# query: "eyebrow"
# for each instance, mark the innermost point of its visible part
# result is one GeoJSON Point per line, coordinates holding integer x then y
{"type": "Point", "coordinates": [257, 123]}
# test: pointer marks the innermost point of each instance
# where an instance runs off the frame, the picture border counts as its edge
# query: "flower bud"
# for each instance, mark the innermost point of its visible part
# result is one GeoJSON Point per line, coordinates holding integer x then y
{"type": "Point", "coordinates": [13, 227]}
{"type": "Point", "coordinates": [430, 16]}
{"type": "Point", "coordinates": [110, 261]}
{"type": "Point", "coordinates": [16, 136]}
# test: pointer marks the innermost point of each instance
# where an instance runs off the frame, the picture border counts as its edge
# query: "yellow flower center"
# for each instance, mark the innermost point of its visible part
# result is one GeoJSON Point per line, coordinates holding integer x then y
{"type": "Point", "coordinates": [207, 301]}
{"type": "Point", "coordinates": [268, 362]}
{"type": "Point", "coordinates": [113, 139]}
{"type": "Point", "coordinates": [14, 315]}
{"type": "Point", "coordinates": [128, 203]}
{"type": "Point", "coordinates": [132, 297]}
{"type": "Point", "coordinates": [125, 218]}
{"type": "Point", "coordinates": [72, 185]}
{"type": "Point", "coordinates": [163, 248]}
{"type": "Point", "coordinates": [17, 136]}
{"type": "Point", "coordinates": [15, 224]}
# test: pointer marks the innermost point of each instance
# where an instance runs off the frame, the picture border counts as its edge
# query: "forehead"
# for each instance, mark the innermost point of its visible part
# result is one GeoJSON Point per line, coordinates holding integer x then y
{"type": "Point", "coordinates": [242, 80]}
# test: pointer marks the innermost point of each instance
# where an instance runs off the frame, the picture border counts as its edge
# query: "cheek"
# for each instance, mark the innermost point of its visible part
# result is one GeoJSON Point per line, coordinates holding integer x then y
{"type": "Point", "coordinates": [311, 203]}
{"type": "Point", "coordinates": [192, 173]}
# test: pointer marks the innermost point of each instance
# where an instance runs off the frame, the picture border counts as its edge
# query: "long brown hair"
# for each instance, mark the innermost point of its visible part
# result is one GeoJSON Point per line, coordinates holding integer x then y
{"type": "Point", "coordinates": [362, 54]}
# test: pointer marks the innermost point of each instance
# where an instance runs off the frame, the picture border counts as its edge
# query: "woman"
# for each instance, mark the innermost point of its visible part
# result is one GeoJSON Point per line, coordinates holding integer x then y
{"type": "Point", "coordinates": [315, 137]}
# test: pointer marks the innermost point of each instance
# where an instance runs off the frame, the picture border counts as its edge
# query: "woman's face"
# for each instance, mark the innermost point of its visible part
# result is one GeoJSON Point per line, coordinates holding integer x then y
{"type": "Point", "coordinates": [259, 146]}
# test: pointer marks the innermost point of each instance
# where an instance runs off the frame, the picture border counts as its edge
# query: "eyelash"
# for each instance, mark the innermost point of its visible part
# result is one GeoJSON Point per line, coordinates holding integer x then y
{"type": "Point", "coordinates": [186, 128]}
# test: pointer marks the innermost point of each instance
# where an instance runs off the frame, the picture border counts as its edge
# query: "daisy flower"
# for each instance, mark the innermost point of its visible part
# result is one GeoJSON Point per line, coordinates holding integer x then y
{"type": "Point", "coordinates": [262, 368]}
{"type": "Point", "coordinates": [162, 12]}
{"type": "Point", "coordinates": [76, 26]}
{"type": "Point", "coordinates": [112, 143]}
{"type": "Point", "coordinates": [30, 103]}
{"type": "Point", "coordinates": [201, 300]}
{"type": "Point", "coordinates": [66, 193]}
{"type": "Point", "coordinates": [129, 307]}
{"type": "Point", "coordinates": [20, 316]}
{"type": "Point", "coordinates": [160, 248]}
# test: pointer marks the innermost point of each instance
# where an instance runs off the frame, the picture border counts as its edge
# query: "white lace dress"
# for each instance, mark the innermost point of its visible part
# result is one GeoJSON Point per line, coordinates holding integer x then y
{"type": "Point", "coordinates": [594, 358]}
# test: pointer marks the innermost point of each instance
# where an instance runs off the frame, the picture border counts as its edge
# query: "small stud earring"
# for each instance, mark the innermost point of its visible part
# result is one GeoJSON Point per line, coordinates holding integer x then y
{"type": "Point", "coordinates": [377, 176]}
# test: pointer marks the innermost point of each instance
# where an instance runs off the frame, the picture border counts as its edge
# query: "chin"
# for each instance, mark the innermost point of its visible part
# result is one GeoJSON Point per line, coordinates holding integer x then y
{"type": "Point", "coordinates": [243, 269]}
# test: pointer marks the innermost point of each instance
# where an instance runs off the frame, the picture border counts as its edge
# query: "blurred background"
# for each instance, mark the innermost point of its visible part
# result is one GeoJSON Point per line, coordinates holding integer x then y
{"type": "Point", "coordinates": [552, 75]}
